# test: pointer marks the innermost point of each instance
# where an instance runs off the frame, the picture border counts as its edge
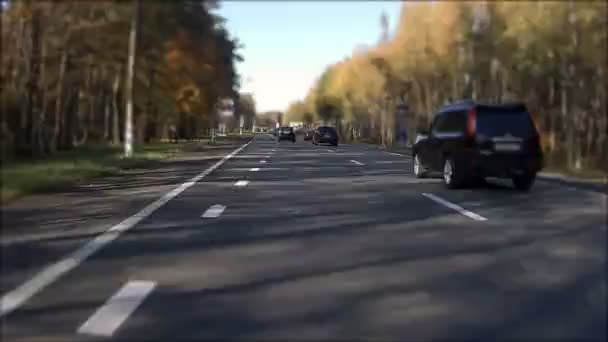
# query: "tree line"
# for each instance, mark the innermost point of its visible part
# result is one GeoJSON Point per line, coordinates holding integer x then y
{"type": "Point", "coordinates": [550, 55]}
{"type": "Point", "coordinates": [64, 71]}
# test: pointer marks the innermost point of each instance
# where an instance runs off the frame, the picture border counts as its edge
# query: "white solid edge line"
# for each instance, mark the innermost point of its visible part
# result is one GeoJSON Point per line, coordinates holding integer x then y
{"type": "Point", "coordinates": [117, 309]}
{"type": "Point", "coordinates": [214, 211]}
{"type": "Point", "coordinates": [241, 183]}
{"type": "Point", "coordinates": [456, 207]}
{"type": "Point", "coordinates": [356, 162]}
{"type": "Point", "coordinates": [16, 297]}
{"type": "Point", "coordinates": [254, 169]}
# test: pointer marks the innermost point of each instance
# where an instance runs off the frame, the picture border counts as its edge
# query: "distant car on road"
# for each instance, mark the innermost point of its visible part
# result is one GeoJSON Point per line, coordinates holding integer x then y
{"type": "Point", "coordinates": [287, 133]}
{"type": "Point", "coordinates": [308, 134]}
{"type": "Point", "coordinates": [469, 141]}
{"type": "Point", "coordinates": [325, 134]}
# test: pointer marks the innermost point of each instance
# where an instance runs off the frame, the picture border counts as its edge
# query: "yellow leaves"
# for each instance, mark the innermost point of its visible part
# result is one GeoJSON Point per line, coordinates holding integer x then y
{"type": "Point", "coordinates": [297, 110]}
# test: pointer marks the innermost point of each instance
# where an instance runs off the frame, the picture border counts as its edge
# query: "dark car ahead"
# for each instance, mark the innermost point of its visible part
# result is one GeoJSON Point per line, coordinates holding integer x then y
{"type": "Point", "coordinates": [308, 134]}
{"type": "Point", "coordinates": [468, 141]}
{"type": "Point", "coordinates": [325, 135]}
{"type": "Point", "coordinates": [287, 133]}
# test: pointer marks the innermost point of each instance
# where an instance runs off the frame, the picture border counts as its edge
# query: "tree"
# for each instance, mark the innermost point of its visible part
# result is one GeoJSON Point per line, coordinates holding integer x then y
{"type": "Point", "coordinates": [130, 75]}
{"type": "Point", "coordinates": [492, 51]}
{"type": "Point", "coordinates": [246, 109]}
{"type": "Point", "coordinates": [65, 67]}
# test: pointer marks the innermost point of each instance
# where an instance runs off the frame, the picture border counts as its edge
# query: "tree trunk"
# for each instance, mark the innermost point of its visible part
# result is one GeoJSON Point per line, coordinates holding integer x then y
{"type": "Point", "coordinates": [90, 114]}
{"type": "Point", "coordinates": [68, 115]}
{"type": "Point", "coordinates": [115, 109]}
{"type": "Point", "coordinates": [78, 124]}
{"type": "Point", "coordinates": [140, 125]}
{"type": "Point", "coordinates": [41, 130]}
{"type": "Point", "coordinates": [21, 141]}
{"type": "Point", "coordinates": [591, 129]}
{"type": "Point", "coordinates": [107, 101]}
{"type": "Point", "coordinates": [128, 143]}
{"type": "Point", "coordinates": [428, 101]}
{"type": "Point", "coordinates": [32, 86]}
{"type": "Point", "coordinates": [602, 148]}
{"type": "Point", "coordinates": [551, 119]}
{"type": "Point", "coordinates": [568, 146]}
{"type": "Point", "coordinates": [58, 122]}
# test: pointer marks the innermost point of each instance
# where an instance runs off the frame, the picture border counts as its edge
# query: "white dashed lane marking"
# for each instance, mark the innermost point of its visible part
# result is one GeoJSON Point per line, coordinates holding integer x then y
{"type": "Point", "coordinates": [16, 297]}
{"type": "Point", "coordinates": [241, 183]}
{"type": "Point", "coordinates": [391, 162]}
{"type": "Point", "coordinates": [214, 211]}
{"type": "Point", "coordinates": [263, 161]}
{"type": "Point", "coordinates": [117, 309]}
{"type": "Point", "coordinates": [456, 207]}
{"type": "Point", "coordinates": [356, 162]}
{"type": "Point", "coordinates": [254, 169]}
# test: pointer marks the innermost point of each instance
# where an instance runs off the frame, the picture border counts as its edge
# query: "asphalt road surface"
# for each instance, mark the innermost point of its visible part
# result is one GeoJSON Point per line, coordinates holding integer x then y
{"type": "Point", "coordinates": [283, 241]}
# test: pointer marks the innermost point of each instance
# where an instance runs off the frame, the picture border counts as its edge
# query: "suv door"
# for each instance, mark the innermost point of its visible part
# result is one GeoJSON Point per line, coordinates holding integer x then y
{"type": "Point", "coordinates": [452, 134]}
{"type": "Point", "coordinates": [434, 143]}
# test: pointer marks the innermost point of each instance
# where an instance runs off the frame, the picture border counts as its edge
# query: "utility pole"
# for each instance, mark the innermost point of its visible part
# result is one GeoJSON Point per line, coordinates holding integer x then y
{"type": "Point", "coordinates": [128, 140]}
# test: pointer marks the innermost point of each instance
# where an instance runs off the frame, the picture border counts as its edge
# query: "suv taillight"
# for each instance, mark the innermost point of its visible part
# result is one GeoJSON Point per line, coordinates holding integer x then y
{"type": "Point", "coordinates": [534, 123]}
{"type": "Point", "coordinates": [471, 122]}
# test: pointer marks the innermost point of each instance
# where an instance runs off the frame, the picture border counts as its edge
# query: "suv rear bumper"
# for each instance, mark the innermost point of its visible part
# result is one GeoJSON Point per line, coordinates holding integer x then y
{"type": "Point", "coordinates": [505, 166]}
{"type": "Point", "coordinates": [325, 140]}
{"type": "Point", "coordinates": [287, 137]}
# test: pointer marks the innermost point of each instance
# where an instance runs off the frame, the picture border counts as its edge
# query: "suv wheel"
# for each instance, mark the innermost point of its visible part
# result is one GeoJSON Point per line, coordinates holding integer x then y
{"type": "Point", "coordinates": [419, 170]}
{"type": "Point", "coordinates": [523, 182]}
{"type": "Point", "coordinates": [451, 176]}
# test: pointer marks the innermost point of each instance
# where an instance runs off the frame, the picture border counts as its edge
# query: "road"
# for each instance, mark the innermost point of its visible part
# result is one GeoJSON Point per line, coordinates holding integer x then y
{"type": "Point", "coordinates": [301, 242]}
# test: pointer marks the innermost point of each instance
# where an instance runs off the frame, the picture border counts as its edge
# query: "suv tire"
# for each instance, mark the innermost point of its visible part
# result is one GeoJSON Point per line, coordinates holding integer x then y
{"type": "Point", "coordinates": [451, 176]}
{"type": "Point", "coordinates": [419, 170]}
{"type": "Point", "coordinates": [523, 182]}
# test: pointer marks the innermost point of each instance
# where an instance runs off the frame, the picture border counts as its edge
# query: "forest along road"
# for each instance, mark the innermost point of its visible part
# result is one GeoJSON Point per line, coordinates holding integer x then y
{"type": "Point", "coordinates": [320, 245]}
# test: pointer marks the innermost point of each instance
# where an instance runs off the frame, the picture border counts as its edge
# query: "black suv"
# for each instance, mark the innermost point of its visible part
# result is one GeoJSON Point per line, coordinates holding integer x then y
{"type": "Point", "coordinates": [325, 134]}
{"type": "Point", "coordinates": [286, 133]}
{"type": "Point", "coordinates": [468, 141]}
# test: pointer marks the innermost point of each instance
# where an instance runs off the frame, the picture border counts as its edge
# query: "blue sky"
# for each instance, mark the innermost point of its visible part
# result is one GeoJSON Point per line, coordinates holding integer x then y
{"type": "Point", "coordinates": [288, 44]}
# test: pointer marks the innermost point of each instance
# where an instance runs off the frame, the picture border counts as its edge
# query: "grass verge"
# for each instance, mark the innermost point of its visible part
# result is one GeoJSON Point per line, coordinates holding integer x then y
{"type": "Point", "coordinates": [583, 174]}
{"type": "Point", "coordinates": [65, 169]}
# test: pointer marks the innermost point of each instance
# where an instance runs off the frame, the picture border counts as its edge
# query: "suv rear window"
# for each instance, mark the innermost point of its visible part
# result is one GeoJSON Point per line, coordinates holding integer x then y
{"type": "Point", "coordinates": [495, 122]}
{"type": "Point", "coordinates": [286, 130]}
{"type": "Point", "coordinates": [330, 130]}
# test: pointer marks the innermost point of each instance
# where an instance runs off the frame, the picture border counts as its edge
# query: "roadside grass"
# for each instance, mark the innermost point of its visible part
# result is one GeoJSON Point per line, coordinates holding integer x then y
{"type": "Point", "coordinates": [65, 169]}
{"type": "Point", "coordinates": [591, 168]}
{"type": "Point", "coordinates": [587, 174]}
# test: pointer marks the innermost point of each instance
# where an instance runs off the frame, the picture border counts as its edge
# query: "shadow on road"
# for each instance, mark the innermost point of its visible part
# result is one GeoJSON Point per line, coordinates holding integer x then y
{"type": "Point", "coordinates": [355, 255]}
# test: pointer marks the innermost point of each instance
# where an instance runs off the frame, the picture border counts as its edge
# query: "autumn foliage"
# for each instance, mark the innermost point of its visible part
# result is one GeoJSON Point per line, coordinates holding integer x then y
{"type": "Point", "coordinates": [64, 67]}
{"type": "Point", "coordinates": [551, 55]}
